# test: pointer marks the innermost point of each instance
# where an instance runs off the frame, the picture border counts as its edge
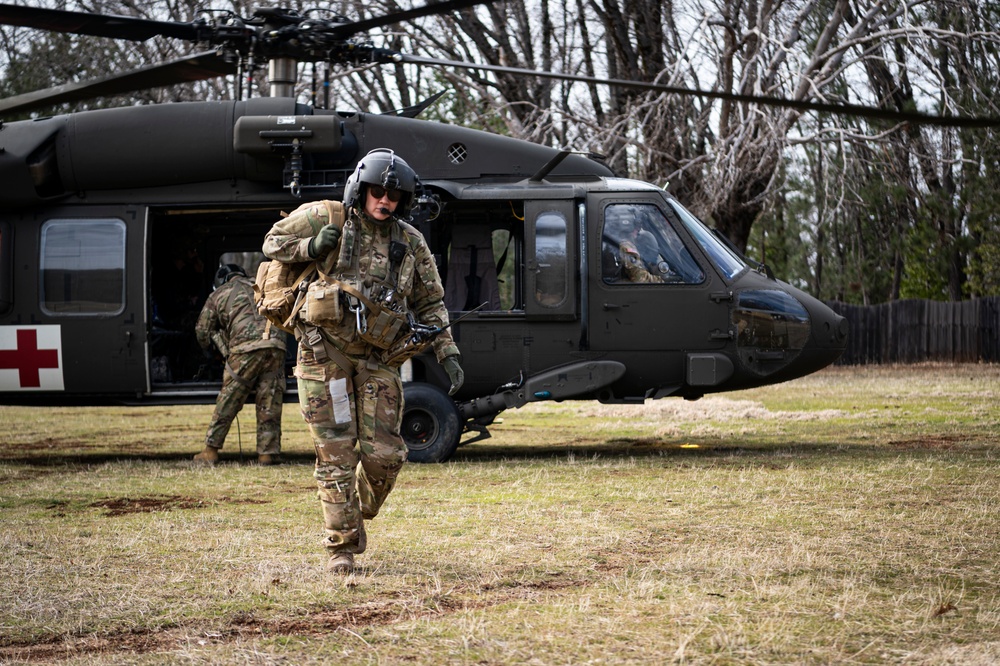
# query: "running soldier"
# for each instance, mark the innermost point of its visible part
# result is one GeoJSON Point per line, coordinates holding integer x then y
{"type": "Point", "coordinates": [374, 270]}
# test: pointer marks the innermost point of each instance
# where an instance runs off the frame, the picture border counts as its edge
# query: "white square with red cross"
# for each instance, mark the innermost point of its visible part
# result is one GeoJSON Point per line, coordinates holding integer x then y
{"type": "Point", "coordinates": [31, 358]}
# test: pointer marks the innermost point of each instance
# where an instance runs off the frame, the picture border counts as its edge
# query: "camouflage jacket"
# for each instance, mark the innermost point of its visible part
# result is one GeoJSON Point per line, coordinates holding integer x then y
{"type": "Point", "coordinates": [230, 311]}
{"type": "Point", "coordinates": [633, 267]}
{"type": "Point", "coordinates": [361, 259]}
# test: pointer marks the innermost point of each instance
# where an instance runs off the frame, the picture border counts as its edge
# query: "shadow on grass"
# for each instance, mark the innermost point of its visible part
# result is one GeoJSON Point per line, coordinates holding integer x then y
{"type": "Point", "coordinates": [486, 453]}
{"type": "Point", "coordinates": [655, 449]}
{"type": "Point", "coordinates": [103, 457]}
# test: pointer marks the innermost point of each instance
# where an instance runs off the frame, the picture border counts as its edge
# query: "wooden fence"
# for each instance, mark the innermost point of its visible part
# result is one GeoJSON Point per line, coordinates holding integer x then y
{"type": "Point", "coordinates": [912, 331]}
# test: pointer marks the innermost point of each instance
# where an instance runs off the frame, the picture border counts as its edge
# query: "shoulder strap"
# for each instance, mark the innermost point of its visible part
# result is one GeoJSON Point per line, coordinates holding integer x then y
{"type": "Point", "coordinates": [299, 293]}
{"type": "Point", "coordinates": [335, 213]}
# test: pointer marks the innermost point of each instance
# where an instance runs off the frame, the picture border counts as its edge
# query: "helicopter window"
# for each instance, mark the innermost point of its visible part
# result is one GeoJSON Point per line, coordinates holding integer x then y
{"type": "Point", "coordinates": [83, 267]}
{"type": "Point", "coordinates": [472, 268]}
{"type": "Point", "coordinates": [506, 245]}
{"type": "Point", "coordinates": [639, 246]}
{"type": "Point", "coordinates": [550, 256]}
{"type": "Point", "coordinates": [728, 262]}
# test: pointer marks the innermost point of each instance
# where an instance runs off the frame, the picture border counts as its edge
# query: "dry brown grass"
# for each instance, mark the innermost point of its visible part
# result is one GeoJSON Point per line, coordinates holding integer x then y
{"type": "Point", "coordinates": [848, 517]}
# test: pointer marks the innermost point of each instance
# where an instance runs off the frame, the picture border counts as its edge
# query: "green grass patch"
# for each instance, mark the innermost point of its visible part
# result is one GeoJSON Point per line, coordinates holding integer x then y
{"type": "Point", "coordinates": [847, 517]}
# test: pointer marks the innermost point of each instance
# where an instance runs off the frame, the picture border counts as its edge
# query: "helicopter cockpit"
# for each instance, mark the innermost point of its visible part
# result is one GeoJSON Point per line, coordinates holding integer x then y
{"type": "Point", "coordinates": [640, 233]}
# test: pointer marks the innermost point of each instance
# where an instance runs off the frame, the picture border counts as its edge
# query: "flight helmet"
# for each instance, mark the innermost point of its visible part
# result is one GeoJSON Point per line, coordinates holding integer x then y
{"type": "Point", "coordinates": [621, 222]}
{"type": "Point", "coordinates": [383, 168]}
{"type": "Point", "coordinates": [227, 272]}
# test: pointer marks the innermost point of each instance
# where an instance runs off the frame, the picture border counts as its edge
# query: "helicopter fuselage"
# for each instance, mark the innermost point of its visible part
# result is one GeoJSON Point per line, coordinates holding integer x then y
{"type": "Point", "coordinates": [596, 287]}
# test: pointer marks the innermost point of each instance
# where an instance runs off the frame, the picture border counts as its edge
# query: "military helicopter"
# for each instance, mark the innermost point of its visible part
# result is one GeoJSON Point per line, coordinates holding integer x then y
{"type": "Point", "coordinates": [112, 222]}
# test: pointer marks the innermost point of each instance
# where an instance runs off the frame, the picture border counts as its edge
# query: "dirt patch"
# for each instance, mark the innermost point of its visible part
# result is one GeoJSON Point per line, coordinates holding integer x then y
{"type": "Point", "coordinates": [931, 442]}
{"type": "Point", "coordinates": [710, 408]}
{"type": "Point", "coordinates": [246, 626]}
{"type": "Point", "coordinates": [48, 444]}
{"type": "Point", "coordinates": [121, 506]}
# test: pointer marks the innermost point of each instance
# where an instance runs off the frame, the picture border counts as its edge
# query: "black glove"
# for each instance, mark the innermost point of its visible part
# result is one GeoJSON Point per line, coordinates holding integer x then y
{"type": "Point", "coordinates": [455, 373]}
{"type": "Point", "coordinates": [324, 241]}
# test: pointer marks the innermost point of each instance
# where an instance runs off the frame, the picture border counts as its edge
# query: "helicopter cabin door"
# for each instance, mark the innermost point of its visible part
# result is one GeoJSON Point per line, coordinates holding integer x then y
{"type": "Point", "coordinates": [651, 289]}
{"type": "Point", "coordinates": [79, 304]}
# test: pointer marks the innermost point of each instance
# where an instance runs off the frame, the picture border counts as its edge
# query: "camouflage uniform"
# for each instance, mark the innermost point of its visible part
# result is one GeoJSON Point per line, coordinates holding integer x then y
{"type": "Point", "coordinates": [254, 362]}
{"type": "Point", "coordinates": [633, 267]}
{"type": "Point", "coordinates": [354, 413]}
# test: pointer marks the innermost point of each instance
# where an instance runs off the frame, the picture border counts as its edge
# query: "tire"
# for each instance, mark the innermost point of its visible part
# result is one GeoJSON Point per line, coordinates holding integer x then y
{"type": "Point", "coordinates": [431, 427]}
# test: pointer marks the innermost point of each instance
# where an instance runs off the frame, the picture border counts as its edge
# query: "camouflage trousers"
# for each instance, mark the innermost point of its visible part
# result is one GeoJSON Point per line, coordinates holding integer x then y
{"type": "Point", "coordinates": [359, 451]}
{"type": "Point", "coordinates": [262, 370]}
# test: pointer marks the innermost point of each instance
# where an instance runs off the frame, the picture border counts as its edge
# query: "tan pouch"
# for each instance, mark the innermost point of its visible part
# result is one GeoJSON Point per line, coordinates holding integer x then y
{"type": "Point", "coordinates": [323, 307]}
{"type": "Point", "coordinates": [384, 328]}
{"type": "Point", "coordinates": [380, 327]}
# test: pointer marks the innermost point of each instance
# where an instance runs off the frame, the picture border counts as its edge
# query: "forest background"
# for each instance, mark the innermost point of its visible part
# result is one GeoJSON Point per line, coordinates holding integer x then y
{"type": "Point", "coordinates": [851, 208]}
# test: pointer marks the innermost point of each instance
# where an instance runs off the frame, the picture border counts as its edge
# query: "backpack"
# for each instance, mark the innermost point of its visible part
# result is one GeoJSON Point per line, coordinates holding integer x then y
{"type": "Point", "coordinates": [276, 291]}
{"type": "Point", "coordinates": [279, 288]}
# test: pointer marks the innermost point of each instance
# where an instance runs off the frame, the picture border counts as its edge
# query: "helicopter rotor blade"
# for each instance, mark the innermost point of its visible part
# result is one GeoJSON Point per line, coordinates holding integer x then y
{"type": "Point", "coordinates": [98, 25]}
{"type": "Point", "coordinates": [843, 109]}
{"type": "Point", "coordinates": [416, 109]}
{"type": "Point", "coordinates": [189, 68]}
{"type": "Point", "coordinates": [433, 8]}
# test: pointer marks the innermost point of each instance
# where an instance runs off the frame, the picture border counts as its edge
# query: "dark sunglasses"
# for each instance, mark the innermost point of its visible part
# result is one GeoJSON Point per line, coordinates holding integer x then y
{"type": "Point", "coordinates": [378, 192]}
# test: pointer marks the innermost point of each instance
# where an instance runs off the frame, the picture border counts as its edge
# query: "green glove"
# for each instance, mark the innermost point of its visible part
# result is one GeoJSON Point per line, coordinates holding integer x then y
{"type": "Point", "coordinates": [324, 241]}
{"type": "Point", "coordinates": [455, 374]}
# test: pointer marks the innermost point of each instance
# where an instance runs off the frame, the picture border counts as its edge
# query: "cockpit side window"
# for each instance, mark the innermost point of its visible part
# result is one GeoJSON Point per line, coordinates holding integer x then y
{"type": "Point", "coordinates": [638, 245]}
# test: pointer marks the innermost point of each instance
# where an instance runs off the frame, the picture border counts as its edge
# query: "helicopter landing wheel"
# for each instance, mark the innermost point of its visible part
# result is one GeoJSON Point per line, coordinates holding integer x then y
{"type": "Point", "coordinates": [431, 427]}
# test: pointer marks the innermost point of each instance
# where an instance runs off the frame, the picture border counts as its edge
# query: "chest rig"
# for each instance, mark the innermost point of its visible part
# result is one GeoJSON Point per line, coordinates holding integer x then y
{"type": "Point", "coordinates": [367, 288]}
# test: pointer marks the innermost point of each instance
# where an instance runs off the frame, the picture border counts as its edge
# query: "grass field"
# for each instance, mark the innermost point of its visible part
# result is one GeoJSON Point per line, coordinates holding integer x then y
{"type": "Point", "coordinates": [851, 517]}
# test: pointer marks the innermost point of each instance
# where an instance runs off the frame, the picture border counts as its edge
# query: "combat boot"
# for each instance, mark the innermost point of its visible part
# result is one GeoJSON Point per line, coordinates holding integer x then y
{"type": "Point", "coordinates": [209, 456]}
{"type": "Point", "coordinates": [341, 563]}
{"type": "Point", "coordinates": [269, 459]}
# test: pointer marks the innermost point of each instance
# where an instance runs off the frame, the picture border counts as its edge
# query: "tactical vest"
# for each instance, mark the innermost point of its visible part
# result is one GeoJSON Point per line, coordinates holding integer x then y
{"type": "Point", "coordinates": [372, 307]}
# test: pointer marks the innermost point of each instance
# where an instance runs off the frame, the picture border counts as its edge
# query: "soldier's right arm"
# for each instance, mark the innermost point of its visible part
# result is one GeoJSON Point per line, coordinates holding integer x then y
{"type": "Point", "coordinates": [283, 245]}
{"type": "Point", "coordinates": [288, 240]}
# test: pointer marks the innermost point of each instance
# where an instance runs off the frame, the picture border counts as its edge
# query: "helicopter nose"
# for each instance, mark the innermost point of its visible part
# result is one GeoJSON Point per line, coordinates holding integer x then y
{"type": "Point", "coordinates": [828, 336]}
{"type": "Point", "coordinates": [784, 333]}
{"type": "Point", "coordinates": [830, 331]}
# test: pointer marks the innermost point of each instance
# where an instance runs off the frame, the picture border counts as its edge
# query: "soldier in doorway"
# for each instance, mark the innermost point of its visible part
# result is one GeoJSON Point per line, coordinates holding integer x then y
{"type": "Point", "coordinates": [254, 353]}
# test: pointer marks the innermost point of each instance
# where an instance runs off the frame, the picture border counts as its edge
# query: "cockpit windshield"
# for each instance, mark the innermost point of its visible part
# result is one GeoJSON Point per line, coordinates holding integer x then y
{"type": "Point", "coordinates": [728, 261]}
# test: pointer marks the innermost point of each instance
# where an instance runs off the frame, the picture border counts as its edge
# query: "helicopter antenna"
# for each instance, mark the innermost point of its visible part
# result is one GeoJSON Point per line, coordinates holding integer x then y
{"type": "Point", "coordinates": [552, 164]}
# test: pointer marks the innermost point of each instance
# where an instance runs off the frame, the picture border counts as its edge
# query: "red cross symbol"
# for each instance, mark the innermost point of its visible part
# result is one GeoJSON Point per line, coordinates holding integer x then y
{"type": "Point", "coordinates": [28, 359]}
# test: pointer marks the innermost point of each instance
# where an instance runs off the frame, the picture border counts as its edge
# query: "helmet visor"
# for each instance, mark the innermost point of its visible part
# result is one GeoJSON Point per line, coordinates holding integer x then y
{"type": "Point", "coordinates": [378, 192]}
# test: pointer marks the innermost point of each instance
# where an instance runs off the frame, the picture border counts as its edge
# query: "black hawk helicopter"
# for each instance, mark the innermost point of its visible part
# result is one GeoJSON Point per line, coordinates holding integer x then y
{"type": "Point", "coordinates": [112, 222]}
